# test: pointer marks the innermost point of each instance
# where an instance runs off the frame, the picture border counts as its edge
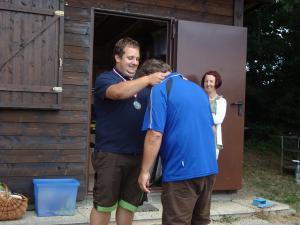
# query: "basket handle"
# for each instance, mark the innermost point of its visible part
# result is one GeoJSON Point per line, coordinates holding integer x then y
{"type": "Point", "coordinates": [6, 189]}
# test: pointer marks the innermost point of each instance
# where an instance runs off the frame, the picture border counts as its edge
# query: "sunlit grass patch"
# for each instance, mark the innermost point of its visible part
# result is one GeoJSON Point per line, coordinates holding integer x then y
{"type": "Point", "coordinates": [262, 175]}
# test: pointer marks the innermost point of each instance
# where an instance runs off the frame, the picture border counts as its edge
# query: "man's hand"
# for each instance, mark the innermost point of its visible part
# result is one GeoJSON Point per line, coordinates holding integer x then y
{"type": "Point", "coordinates": [127, 89]}
{"type": "Point", "coordinates": [144, 181]}
{"type": "Point", "coordinates": [151, 148]}
{"type": "Point", "coordinates": [156, 78]}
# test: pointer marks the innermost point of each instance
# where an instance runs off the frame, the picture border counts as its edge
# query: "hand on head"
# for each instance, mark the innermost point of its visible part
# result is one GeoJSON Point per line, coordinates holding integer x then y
{"type": "Point", "coordinates": [157, 77]}
{"type": "Point", "coordinates": [156, 70]}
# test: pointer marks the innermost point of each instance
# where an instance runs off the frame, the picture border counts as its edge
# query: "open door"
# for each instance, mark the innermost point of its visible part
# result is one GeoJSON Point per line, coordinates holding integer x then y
{"type": "Point", "coordinates": [152, 33]}
{"type": "Point", "coordinates": [202, 47]}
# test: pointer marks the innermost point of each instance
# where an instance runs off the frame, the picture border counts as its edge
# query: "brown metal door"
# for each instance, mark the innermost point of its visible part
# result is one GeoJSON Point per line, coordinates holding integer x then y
{"type": "Point", "coordinates": [202, 47]}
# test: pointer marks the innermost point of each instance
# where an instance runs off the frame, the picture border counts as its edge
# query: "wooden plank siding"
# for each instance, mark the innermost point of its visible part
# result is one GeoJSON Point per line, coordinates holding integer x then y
{"type": "Point", "coordinates": [46, 156]}
{"type": "Point", "coordinates": [53, 144]}
{"type": "Point", "coordinates": [20, 184]}
{"type": "Point", "coordinates": [212, 11]}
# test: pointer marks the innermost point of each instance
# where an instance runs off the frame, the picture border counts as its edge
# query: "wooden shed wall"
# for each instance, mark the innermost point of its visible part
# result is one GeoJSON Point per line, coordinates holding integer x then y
{"type": "Point", "coordinates": [42, 143]}
{"type": "Point", "coordinates": [52, 144]}
{"type": "Point", "coordinates": [213, 11]}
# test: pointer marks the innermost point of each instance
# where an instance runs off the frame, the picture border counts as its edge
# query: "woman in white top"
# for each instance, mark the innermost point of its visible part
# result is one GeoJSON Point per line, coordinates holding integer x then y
{"type": "Point", "coordinates": [211, 81]}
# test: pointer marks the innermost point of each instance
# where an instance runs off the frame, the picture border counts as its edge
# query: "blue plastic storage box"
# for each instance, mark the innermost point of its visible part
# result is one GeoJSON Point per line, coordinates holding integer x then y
{"type": "Point", "coordinates": [55, 197]}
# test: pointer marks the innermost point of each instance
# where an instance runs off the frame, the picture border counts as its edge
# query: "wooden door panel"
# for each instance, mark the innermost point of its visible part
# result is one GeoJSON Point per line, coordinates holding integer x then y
{"type": "Point", "coordinates": [202, 47]}
{"type": "Point", "coordinates": [31, 51]}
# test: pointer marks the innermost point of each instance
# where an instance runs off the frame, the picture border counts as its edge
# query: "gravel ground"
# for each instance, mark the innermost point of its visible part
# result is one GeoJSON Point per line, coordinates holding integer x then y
{"type": "Point", "coordinates": [268, 220]}
{"type": "Point", "coordinates": [253, 220]}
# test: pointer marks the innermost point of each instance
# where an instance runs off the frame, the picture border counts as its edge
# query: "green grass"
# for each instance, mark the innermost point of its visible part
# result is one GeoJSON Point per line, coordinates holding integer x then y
{"type": "Point", "coordinates": [228, 219]}
{"type": "Point", "coordinates": [262, 174]}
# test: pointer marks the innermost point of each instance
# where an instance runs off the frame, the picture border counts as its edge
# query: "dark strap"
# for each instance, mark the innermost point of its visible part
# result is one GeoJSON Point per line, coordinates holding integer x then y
{"type": "Point", "coordinates": [169, 86]}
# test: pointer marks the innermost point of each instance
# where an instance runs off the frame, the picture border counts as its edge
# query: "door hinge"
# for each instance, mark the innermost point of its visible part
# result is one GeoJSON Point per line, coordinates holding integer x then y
{"type": "Point", "coordinates": [60, 62]}
{"type": "Point", "coordinates": [57, 89]}
{"type": "Point", "coordinates": [173, 30]}
{"type": "Point", "coordinates": [59, 13]}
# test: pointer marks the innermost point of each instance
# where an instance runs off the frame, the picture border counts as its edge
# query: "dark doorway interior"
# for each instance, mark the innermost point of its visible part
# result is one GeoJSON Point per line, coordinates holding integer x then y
{"type": "Point", "coordinates": [151, 33]}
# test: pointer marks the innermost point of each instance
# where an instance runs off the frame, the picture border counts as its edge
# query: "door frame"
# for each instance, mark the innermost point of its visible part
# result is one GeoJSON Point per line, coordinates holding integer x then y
{"type": "Point", "coordinates": [170, 60]}
{"type": "Point", "coordinates": [168, 20]}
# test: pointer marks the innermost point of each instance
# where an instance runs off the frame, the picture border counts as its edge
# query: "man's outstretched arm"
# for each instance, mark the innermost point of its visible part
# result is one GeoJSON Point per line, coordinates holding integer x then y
{"type": "Point", "coordinates": [151, 148]}
{"type": "Point", "coordinates": [127, 89]}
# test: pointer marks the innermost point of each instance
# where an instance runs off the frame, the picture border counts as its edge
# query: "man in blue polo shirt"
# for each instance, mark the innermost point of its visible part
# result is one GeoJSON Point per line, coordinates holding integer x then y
{"type": "Point", "coordinates": [178, 122]}
{"type": "Point", "coordinates": [120, 103]}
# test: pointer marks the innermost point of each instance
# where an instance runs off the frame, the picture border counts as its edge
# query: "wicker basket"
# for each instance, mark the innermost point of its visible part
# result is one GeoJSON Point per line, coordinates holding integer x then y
{"type": "Point", "coordinates": [12, 207]}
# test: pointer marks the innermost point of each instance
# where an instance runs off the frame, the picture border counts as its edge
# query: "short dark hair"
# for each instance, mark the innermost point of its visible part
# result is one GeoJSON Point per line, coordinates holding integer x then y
{"type": "Point", "coordinates": [217, 76]}
{"type": "Point", "coordinates": [152, 66]}
{"type": "Point", "coordinates": [122, 44]}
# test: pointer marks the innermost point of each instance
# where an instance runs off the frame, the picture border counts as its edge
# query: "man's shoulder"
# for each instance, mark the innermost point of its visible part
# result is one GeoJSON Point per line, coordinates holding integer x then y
{"type": "Point", "coordinates": [107, 76]}
{"type": "Point", "coordinates": [159, 88]}
{"type": "Point", "coordinates": [165, 85]}
{"type": "Point", "coordinates": [107, 73]}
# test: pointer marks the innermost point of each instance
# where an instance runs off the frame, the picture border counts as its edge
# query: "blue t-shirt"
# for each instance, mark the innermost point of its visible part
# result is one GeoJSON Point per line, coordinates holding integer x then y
{"type": "Point", "coordinates": [184, 118]}
{"type": "Point", "coordinates": [118, 122]}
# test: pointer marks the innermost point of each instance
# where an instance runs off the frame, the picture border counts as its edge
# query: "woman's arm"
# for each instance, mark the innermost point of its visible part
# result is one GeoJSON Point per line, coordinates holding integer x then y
{"type": "Point", "coordinates": [220, 111]}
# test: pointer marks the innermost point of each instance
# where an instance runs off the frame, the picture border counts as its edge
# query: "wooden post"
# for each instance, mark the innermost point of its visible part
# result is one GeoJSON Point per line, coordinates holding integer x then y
{"type": "Point", "coordinates": [238, 13]}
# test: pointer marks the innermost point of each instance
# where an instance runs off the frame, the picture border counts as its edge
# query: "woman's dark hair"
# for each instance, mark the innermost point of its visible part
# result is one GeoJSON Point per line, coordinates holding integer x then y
{"type": "Point", "coordinates": [217, 77]}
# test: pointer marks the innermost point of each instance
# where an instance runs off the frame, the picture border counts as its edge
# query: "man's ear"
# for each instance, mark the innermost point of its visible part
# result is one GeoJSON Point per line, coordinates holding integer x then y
{"type": "Point", "coordinates": [117, 58]}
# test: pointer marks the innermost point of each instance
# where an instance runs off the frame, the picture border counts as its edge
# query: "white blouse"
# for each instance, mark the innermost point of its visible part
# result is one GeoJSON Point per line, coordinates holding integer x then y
{"type": "Point", "coordinates": [221, 105]}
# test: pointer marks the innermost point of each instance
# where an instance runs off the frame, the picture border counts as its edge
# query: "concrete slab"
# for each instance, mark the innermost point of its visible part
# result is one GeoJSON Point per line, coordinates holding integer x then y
{"type": "Point", "coordinates": [31, 218]}
{"type": "Point", "coordinates": [224, 206]}
{"type": "Point", "coordinates": [230, 208]}
{"type": "Point", "coordinates": [278, 208]}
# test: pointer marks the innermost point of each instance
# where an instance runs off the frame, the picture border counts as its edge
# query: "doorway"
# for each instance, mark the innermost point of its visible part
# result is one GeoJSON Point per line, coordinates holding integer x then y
{"type": "Point", "coordinates": [153, 34]}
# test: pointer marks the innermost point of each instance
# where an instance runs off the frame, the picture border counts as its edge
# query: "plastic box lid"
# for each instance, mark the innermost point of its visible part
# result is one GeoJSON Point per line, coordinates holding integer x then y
{"type": "Point", "coordinates": [55, 182]}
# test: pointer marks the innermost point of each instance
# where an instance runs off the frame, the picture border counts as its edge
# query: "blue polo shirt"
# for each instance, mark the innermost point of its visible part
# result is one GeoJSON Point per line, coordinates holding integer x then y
{"type": "Point", "coordinates": [184, 118]}
{"type": "Point", "coordinates": [118, 122]}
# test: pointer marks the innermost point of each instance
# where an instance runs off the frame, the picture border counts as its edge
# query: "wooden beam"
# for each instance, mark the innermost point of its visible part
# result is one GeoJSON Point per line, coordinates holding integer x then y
{"type": "Point", "coordinates": [27, 88]}
{"type": "Point", "coordinates": [32, 106]}
{"type": "Point", "coordinates": [10, 7]}
{"type": "Point", "coordinates": [238, 13]}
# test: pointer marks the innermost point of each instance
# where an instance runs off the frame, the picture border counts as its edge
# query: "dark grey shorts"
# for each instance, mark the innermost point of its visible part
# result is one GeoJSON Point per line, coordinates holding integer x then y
{"type": "Point", "coordinates": [116, 181]}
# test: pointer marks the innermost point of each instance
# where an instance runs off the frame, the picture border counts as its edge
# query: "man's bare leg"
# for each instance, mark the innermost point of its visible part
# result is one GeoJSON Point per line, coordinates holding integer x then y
{"type": "Point", "coordinates": [123, 216]}
{"type": "Point", "coordinates": [99, 218]}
